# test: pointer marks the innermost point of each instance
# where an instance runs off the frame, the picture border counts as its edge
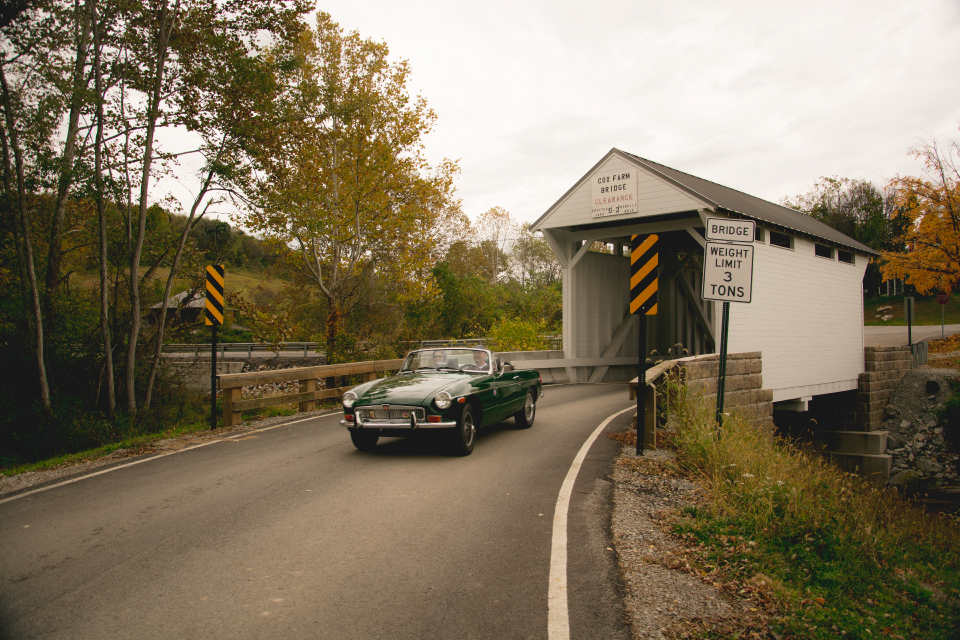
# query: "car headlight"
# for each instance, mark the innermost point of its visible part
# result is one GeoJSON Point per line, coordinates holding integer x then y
{"type": "Point", "coordinates": [349, 398]}
{"type": "Point", "coordinates": [443, 400]}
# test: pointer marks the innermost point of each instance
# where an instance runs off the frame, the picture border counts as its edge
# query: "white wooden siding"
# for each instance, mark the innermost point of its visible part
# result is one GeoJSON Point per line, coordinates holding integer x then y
{"type": "Point", "coordinates": [655, 197]}
{"type": "Point", "coordinates": [599, 292]}
{"type": "Point", "coordinates": [806, 317]}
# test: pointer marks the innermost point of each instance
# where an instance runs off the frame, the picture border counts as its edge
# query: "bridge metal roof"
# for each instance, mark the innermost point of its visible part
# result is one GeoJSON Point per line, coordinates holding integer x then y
{"type": "Point", "coordinates": [727, 200]}
{"type": "Point", "coordinates": [752, 207]}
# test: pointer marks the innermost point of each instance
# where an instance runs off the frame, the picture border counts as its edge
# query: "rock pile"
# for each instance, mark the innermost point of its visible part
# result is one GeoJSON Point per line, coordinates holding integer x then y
{"type": "Point", "coordinates": [276, 388]}
{"type": "Point", "coordinates": [916, 437]}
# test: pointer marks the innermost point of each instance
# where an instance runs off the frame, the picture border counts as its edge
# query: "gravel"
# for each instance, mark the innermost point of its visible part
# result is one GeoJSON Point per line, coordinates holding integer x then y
{"type": "Point", "coordinates": [666, 594]}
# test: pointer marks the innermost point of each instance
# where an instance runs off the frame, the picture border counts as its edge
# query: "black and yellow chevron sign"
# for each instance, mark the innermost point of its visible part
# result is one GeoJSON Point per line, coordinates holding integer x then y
{"type": "Point", "coordinates": [215, 274]}
{"type": "Point", "coordinates": [643, 274]}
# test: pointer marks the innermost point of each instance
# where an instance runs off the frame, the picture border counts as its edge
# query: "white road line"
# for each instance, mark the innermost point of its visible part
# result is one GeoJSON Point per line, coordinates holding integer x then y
{"type": "Point", "coordinates": [157, 457]}
{"type": "Point", "coordinates": [558, 618]}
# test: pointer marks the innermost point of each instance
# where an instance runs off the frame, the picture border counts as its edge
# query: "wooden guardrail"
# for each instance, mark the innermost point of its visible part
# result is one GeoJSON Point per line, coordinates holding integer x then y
{"type": "Point", "coordinates": [232, 383]}
{"type": "Point", "coordinates": [650, 400]}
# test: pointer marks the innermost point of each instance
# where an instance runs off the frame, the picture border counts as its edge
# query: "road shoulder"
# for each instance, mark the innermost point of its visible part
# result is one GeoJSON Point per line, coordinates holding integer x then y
{"type": "Point", "coordinates": [667, 594]}
{"type": "Point", "coordinates": [30, 480]}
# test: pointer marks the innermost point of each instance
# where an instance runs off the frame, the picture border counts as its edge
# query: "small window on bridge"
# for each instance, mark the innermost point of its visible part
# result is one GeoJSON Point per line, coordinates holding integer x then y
{"type": "Point", "coordinates": [845, 256]}
{"type": "Point", "coordinates": [823, 251]}
{"type": "Point", "coordinates": [758, 233]}
{"type": "Point", "coordinates": [781, 240]}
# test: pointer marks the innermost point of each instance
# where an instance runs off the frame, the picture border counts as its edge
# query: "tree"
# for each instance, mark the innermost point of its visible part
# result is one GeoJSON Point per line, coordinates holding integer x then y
{"type": "Point", "coordinates": [343, 180]}
{"type": "Point", "coordinates": [858, 209]}
{"type": "Point", "coordinates": [33, 43]}
{"type": "Point", "coordinates": [930, 205]}
{"type": "Point", "coordinates": [86, 77]}
{"type": "Point", "coordinates": [494, 230]}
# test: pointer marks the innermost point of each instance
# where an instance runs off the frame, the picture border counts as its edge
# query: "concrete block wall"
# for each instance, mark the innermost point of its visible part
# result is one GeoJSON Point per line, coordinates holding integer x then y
{"type": "Point", "coordinates": [549, 375]}
{"type": "Point", "coordinates": [743, 390]}
{"type": "Point", "coordinates": [862, 410]}
{"type": "Point", "coordinates": [849, 423]}
{"type": "Point", "coordinates": [195, 372]}
{"type": "Point", "coordinates": [884, 368]}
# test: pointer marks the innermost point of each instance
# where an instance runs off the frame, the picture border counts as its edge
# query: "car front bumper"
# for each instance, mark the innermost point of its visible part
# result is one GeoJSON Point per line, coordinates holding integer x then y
{"type": "Point", "coordinates": [394, 425]}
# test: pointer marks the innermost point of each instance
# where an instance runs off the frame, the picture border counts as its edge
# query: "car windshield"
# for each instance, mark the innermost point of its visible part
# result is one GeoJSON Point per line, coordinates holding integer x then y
{"type": "Point", "coordinates": [447, 359]}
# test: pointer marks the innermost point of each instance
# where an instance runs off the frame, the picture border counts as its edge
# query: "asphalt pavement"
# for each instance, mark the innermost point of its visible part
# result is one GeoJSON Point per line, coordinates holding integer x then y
{"type": "Point", "coordinates": [898, 336]}
{"type": "Point", "coordinates": [292, 533]}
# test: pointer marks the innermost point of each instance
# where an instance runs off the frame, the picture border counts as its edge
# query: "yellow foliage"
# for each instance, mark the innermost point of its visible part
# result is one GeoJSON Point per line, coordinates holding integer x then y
{"type": "Point", "coordinates": [931, 261]}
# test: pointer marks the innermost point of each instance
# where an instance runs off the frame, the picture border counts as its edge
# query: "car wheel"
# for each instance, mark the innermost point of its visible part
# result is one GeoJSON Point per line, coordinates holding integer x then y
{"type": "Point", "coordinates": [465, 435]}
{"type": "Point", "coordinates": [525, 416]}
{"type": "Point", "coordinates": [363, 439]}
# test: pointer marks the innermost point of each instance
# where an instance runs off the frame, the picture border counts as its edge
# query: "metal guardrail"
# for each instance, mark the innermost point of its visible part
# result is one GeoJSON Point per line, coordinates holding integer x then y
{"type": "Point", "coordinates": [292, 349]}
{"type": "Point", "coordinates": [919, 352]}
{"type": "Point", "coordinates": [463, 342]}
{"type": "Point", "coordinates": [555, 342]}
{"type": "Point", "coordinates": [287, 348]}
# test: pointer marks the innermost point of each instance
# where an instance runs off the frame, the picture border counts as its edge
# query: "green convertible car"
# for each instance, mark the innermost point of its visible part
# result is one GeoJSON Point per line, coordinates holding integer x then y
{"type": "Point", "coordinates": [452, 391]}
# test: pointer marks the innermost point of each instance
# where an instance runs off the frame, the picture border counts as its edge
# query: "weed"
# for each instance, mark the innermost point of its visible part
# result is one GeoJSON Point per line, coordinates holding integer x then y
{"type": "Point", "coordinates": [843, 559]}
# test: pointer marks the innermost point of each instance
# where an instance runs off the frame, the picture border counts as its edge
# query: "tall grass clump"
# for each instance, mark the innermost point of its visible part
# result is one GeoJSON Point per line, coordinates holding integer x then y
{"type": "Point", "coordinates": [844, 558]}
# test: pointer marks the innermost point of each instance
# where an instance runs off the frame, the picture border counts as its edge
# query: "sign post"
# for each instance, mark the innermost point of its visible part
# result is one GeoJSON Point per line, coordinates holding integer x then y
{"type": "Point", "coordinates": [644, 258]}
{"type": "Point", "coordinates": [943, 298]}
{"type": "Point", "coordinates": [727, 277]}
{"type": "Point", "coordinates": [908, 316]}
{"type": "Point", "coordinates": [214, 318]}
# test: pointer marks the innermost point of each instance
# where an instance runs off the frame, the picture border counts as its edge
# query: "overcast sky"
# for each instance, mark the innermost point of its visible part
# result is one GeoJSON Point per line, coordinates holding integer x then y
{"type": "Point", "coordinates": [764, 97]}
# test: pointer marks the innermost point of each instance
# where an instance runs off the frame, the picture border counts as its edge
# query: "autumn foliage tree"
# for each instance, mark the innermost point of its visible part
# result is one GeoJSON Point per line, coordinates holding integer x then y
{"type": "Point", "coordinates": [931, 204]}
{"type": "Point", "coordinates": [344, 183]}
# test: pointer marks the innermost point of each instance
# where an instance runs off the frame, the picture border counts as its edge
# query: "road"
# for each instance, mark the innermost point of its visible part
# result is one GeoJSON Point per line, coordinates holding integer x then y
{"type": "Point", "coordinates": [291, 532]}
{"type": "Point", "coordinates": [897, 336]}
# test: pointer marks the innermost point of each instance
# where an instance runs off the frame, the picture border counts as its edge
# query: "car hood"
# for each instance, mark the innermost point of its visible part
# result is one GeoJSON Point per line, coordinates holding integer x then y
{"type": "Point", "coordinates": [408, 388]}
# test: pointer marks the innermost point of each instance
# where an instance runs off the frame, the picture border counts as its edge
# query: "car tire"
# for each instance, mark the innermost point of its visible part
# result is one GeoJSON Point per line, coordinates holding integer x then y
{"type": "Point", "coordinates": [524, 417]}
{"type": "Point", "coordinates": [464, 436]}
{"type": "Point", "coordinates": [364, 440]}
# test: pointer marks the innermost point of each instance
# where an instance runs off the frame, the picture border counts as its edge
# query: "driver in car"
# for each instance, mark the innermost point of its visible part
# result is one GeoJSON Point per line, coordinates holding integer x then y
{"type": "Point", "coordinates": [480, 362]}
{"type": "Point", "coordinates": [439, 358]}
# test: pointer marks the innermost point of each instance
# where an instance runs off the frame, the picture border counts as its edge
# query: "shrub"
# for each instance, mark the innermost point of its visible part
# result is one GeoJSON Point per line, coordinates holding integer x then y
{"type": "Point", "coordinates": [847, 557]}
{"type": "Point", "coordinates": [517, 335]}
{"type": "Point", "coordinates": [950, 417]}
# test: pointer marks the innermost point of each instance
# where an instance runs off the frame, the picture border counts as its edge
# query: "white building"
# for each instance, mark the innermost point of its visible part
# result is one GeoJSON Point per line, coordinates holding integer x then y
{"type": "Point", "coordinates": [806, 313]}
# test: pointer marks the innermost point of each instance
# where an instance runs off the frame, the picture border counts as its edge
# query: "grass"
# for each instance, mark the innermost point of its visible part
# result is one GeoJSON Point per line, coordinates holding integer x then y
{"type": "Point", "coordinates": [944, 363]}
{"type": "Point", "coordinates": [949, 344]}
{"type": "Point", "coordinates": [138, 443]}
{"type": "Point", "coordinates": [143, 443]}
{"type": "Point", "coordinates": [820, 553]}
{"type": "Point", "coordinates": [270, 412]}
{"type": "Point", "coordinates": [926, 311]}
{"type": "Point", "coordinates": [236, 279]}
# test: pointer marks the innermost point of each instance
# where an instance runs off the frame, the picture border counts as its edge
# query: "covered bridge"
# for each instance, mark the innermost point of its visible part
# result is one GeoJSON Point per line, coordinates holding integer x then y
{"type": "Point", "coordinates": [806, 315]}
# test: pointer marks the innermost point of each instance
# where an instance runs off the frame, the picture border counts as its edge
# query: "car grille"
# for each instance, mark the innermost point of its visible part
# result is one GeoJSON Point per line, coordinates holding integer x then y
{"type": "Point", "coordinates": [397, 413]}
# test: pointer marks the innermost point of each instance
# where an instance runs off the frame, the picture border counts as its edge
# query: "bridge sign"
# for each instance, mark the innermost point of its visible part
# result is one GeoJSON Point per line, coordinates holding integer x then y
{"type": "Point", "coordinates": [728, 230]}
{"type": "Point", "coordinates": [644, 258]}
{"type": "Point", "coordinates": [727, 277]}
{"type": "Point", "coordinates": [728, 272]}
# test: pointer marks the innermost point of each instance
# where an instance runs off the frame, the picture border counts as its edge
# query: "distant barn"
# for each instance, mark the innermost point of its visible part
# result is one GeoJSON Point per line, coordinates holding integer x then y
{"type": "Point", "coordinates": [183, 308]}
